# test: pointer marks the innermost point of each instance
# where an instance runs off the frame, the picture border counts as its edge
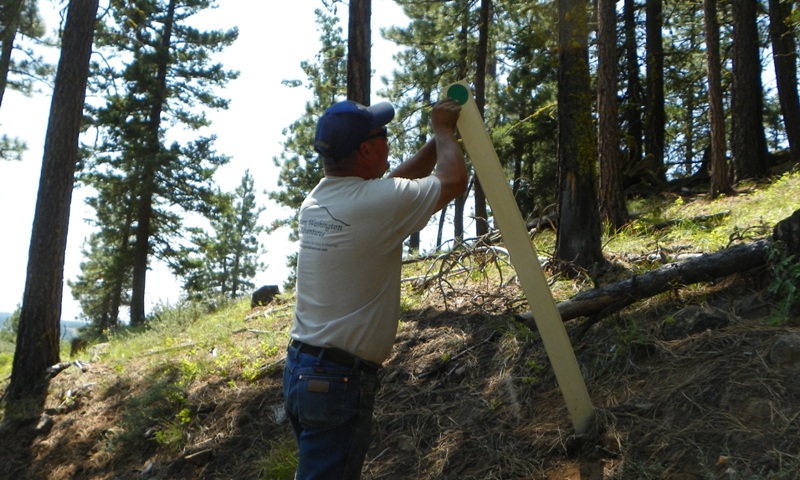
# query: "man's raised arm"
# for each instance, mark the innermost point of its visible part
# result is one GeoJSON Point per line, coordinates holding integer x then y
{"type": "Point", "coordinates": [442, 152]}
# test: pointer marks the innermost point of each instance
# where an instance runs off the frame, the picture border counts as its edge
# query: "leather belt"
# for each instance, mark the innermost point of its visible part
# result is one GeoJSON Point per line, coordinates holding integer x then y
{"type": "Point", "coordinates": [337, 356]}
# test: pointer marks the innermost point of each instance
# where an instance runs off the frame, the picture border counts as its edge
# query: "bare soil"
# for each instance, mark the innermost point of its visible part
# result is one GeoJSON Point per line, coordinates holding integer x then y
{"type": "Point", "coordinates": [694, 384]}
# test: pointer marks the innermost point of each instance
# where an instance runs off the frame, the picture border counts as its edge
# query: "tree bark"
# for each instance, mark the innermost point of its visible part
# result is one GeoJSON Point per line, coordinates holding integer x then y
{"type": "Point", "coordinates": [38, 337]}
{"type": "Point", "coordinates": [784, 54]}
{"type": "Point", "coordinates": [610, 192]}
{"type": "Point", "coordinates": [720, 176]}
{"type": "Point", "coordinates": [655, 118]}
{"type": "Point", "coordinates": [578, 237]}
{"type": "Point", "coordinates": [633, 106]}
{"type": "Point", "coordinates": [359, 70]}
{"type": "Point", "coordinates": [749, 145]}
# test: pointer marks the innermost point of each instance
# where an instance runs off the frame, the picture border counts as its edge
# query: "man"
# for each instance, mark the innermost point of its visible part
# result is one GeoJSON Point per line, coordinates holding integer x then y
{"type": "Point", "coordinates": [352, 227]}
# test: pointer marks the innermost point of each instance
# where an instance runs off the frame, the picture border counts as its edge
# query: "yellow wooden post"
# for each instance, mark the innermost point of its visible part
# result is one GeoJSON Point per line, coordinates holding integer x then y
{"type": "Point", "coordinates": [484, 158]}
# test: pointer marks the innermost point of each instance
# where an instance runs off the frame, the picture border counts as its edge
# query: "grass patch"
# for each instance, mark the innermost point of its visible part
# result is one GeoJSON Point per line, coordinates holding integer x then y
{"type": "Point", "coordinates": [280, 461]}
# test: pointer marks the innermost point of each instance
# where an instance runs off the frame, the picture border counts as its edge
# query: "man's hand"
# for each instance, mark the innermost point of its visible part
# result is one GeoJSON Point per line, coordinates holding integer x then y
{"type": "Point", "coordinates": [450, 167]}
{"type": "Point", "coordinates": [445, 115]}
{"type": "Point", "coordinates": [443, 152]}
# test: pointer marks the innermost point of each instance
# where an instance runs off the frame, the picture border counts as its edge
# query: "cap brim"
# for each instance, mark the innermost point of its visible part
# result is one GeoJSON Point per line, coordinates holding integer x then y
{"type": "Point", "coordinates": [382, 114]}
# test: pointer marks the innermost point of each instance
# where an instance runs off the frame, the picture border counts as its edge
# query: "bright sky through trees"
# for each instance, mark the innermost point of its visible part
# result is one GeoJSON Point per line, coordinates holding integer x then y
{"type": "Point", "coordinates": [274, 37]}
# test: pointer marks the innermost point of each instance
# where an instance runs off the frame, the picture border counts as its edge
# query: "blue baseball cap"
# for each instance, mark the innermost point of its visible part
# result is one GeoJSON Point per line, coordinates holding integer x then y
{"type": "Point", "coordinates": [345, 125]}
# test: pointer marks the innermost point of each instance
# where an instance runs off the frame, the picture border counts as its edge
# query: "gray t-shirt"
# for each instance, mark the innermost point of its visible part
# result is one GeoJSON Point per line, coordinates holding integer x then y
{"type": "Point", "coordinates": [350, 258]}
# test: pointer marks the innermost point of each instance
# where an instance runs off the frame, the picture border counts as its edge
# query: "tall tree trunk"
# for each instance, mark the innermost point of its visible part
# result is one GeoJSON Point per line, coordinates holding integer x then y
{"type": "Point", "coordinates": [112, 319]}
{"type": "Point", "coordinates": [784, 54]}
{"type": "Point", "coordinates": [458, 217]}
{"type": "Point", "coordinates": [610, 194]}
{"type": "Point", "coordinates": [481, 214]}
{"type": "Point", "coordinates": [718, 165]}
{"type": "Point", "coordinates": [655, 117]}
{"type": "Point", "coordinates": [578, 237]}
{"type": "Point", "coordinates": [633, 107]}
{"type": "Point", "coordinates": [359, 71]}
{"type": "Point", "coordinates": [749, 144]}
{"type": "Point", "coordinates": [39, 330]}
{"type": "Point", "coordinates": [151, 164]}
{"type": "Point", "coordinates": [141, 250]}
{"type": "Point", "coordinates": [116, 280]}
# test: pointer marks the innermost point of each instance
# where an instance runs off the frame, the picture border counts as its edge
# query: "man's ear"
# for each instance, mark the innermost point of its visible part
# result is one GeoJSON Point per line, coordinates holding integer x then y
{"type": "Point", "coordinates": [365, 150]}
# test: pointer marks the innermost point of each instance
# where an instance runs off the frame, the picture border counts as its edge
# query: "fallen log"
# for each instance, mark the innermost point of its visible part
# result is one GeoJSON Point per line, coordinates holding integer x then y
{"type": "Point", "coordinates": [602, 301]}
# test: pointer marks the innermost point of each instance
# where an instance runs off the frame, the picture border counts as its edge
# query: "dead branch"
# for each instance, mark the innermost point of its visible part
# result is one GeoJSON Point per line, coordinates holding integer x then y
{"type": "Point", "coordinates": [54, 370]}
{"type": "Point", "coordinates": [453, 263]}
{"type": "Point", "coordinates": [58, 368]}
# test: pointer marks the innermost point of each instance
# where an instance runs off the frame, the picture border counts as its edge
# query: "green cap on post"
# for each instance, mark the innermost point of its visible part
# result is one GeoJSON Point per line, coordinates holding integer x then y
{"type": "Point", "coordinates": [458, 93]}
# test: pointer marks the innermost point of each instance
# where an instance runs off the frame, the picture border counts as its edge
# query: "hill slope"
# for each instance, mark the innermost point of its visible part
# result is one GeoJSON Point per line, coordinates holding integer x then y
{"type": "Point", "coordinates": [693, 384]}
{"type": "Point", "coordinates": [681, 392]}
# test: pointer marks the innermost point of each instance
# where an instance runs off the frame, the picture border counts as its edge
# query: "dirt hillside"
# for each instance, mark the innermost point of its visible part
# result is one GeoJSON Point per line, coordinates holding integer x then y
{"type": "Point", "coordinates": [695, 384]}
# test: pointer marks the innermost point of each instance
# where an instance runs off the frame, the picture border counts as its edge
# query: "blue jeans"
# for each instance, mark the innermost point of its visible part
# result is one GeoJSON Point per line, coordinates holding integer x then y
{"type": "Point", "coordinates": [330, 407]}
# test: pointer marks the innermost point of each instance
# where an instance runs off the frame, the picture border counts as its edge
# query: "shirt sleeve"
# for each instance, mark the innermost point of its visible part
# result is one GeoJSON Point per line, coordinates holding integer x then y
{"type": "Point", "coordinates": [415, 201]}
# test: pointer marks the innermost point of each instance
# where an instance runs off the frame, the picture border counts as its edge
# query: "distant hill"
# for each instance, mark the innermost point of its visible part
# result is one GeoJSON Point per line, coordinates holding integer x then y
{"type": "Point", "coordinates": [69, 328]}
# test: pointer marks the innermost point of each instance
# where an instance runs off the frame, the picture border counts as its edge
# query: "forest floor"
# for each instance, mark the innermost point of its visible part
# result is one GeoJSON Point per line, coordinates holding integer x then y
{"type": "Point", "coordinates": [693, 386]}
{"type": "Point", "coordinates": [697, 383]}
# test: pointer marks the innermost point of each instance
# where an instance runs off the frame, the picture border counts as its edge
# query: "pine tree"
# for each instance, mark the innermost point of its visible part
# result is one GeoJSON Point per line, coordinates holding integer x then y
{"type": "Point", "coordinates": [720, 179]}
{"type": "Point", "coordinates": [748, 145]}
{"type": "Point", "coordinates": [655, 115]}
{"type": "Point", "coordinates": [686, 89]}
{"type": "Point", "coordinates": [359, 51]}
{"type": "Point", "coordinates": [578, 237]}
{"type": "Point", "coordinates": [225, 260]}
{"type": "Point", "coordinates": [19, 72]}
{"type": "Point", "coordinates": [438, 47]}
{"type": "Point", "coordinates": [784, 54]}
{"type": "Point", "coordinates": [631, 103]}
{"type": "Point", "coordinates": [525, 130]}
{"type": "Point", "coordinates": [610, 196]}
{"type": "Point", "coordinates": [484, 63]}
{"type": "Point", "coordinates": [37, 345]}
{"type": "Point", "coordinates": [158, 74]}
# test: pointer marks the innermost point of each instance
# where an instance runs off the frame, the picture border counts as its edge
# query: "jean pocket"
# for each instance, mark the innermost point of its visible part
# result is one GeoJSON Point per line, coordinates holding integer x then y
{"type": "Point", "coordinates": [326, 400]}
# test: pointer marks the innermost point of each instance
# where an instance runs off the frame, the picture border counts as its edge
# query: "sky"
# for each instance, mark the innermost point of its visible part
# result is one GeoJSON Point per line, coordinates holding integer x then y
{"type": "Point", "coordinates": [274, 37]}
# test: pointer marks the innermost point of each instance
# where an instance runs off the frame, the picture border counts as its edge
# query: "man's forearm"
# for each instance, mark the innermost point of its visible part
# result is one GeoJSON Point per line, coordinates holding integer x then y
{"type": "Point", "coordinates": [420, 165]}
{"type": "Point", "coordinates": [450, 166]}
